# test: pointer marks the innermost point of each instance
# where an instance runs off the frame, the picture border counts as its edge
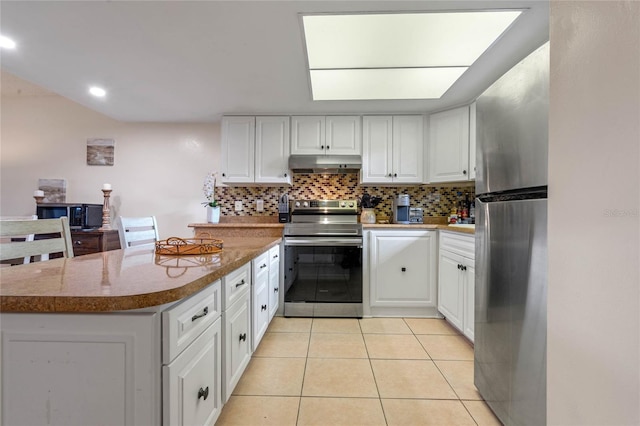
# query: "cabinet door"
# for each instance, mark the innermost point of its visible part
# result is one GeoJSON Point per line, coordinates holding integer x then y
{"type": "Point", "coordinates": [238, 144]}
{"type": "Point", "coordinates": [472, 141]}
{"type": "Point", "coordinates": [403, 269]}
{"type": "Point", "coordinates": [260, 306]}
{"type": "Point", "coordinates": [408, 148]}
{"type": "Point", "coordinates": [237, 339]}
{"type": "Point", "coordinates": [192, 383]}
{"type": "Point", "coordinates": [468, 325]}
{"type": "Point", "coordinates": [307, 135]}
{"type": "Point", "coordinates": [377, 149]}
{"type": "Point", "coordinates": [272, 150]}
{"type": "Point", "coordinates": [449, 145]}
{"type": "Point", "coordinates": [450, 287]}
{"type": "Point", "coordinates": [343, 135]}
{"type": "Point", "coordinates": [274, 280]}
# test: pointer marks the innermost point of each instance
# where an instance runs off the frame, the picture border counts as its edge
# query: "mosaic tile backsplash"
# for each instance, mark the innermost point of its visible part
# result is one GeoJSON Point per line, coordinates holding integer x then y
{"type": "Point", "coordinates": [435, 201]}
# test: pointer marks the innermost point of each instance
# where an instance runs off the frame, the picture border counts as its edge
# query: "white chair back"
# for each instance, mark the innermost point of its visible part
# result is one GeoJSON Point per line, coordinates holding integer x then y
{"type": "Point", "coordinates": [58, 239]}
{"type": "Point", "coordinates": [137, 231]}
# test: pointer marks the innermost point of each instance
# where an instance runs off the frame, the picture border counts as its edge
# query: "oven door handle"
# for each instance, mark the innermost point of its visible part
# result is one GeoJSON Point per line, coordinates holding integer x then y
{"type": "Point", "coordinates": [323, 241]}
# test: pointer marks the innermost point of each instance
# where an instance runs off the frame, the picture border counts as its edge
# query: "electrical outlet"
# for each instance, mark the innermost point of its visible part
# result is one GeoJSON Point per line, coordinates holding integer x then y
{"type": "Point", "coordinates": [259, 205]}
{"type": "Point", "coordinates": [238, 206]}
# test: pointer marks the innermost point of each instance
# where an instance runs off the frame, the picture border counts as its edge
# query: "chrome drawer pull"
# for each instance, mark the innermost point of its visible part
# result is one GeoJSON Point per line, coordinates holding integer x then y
{"type": "Point", "coordinates": [203, 393]}
{"type": "Point", "coordinates": [205, 311]}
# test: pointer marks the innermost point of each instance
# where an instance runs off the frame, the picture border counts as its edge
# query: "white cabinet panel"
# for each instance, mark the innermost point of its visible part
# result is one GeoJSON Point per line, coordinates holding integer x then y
{"type": "Point", "coordinates": [274, 280]}
{"type": "Point", "coordinates": [472, 141]}
{"type": "Point", "coordinates": [237, 343]}
{"type": "Point", "coordinates": [238, 149]}
{"type": "Point", "coordinates": [260, 298]}
{"type": "Point", "coordinates": [449, 145]}
{"type": "Point", "coordinates": [80, 369]}
{"type": "Point", "coordinates": [307, 135]}
{"type": "Point", "coordinates": [468, 324]}
{"type": "Point", "coordinates": [272, 150]}
{"type": "Point", "coordinates": [392, 149]}
{"type": "Point", "coordinates": [343, 136]}
{"type": "Point", "coordinates": [450, 287]}
{"type": "Point", "coordinates": [193, 381]}
{"type": "Point", "coordinates": [403, 269]}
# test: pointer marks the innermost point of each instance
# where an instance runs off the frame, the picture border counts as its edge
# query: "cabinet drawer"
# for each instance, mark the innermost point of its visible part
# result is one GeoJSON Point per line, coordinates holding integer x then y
{"type": "Point", "coordinates": [236, 284]}
{"type": "Point", "coordinates": [261, 265]}
{"type": "Point", "coordinates": [462, 244]}
{"type": "Point", "coordinates": [86, 244]}
{"type": "Point", "coordinates": [192, 383]}
{"type": "Point", "coordinates": [184, 322]}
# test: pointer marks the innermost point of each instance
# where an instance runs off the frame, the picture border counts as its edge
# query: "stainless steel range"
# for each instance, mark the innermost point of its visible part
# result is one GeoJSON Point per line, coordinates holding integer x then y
{"type": "Point", "coordinates": [323, 259]}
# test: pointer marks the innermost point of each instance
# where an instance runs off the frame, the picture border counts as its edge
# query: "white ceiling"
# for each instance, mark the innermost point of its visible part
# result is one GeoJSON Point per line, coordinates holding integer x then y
{"type": "Point", "coordinates": [192, 61]}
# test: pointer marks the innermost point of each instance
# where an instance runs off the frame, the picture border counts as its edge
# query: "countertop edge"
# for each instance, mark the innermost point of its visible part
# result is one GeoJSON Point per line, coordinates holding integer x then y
{"type": "Point", "coordinates": [93, 304]}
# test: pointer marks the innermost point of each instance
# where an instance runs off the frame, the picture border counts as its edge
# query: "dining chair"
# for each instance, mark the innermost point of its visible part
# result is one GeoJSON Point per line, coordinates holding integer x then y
{"type": "Point", "coordinates": [137, 231]}
{"type": "Point", "coordinates": [57, 240]}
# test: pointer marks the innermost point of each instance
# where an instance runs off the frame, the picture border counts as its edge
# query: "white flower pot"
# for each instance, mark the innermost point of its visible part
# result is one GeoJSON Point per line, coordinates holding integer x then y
{"type": "Point", "coordinates": [213, 214]}
{"type": "Point", "coordinates": [368, 216]}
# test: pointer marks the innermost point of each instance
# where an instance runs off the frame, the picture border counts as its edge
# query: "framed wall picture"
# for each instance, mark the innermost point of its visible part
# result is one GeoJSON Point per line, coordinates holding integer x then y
{"type": "Point", "coordinates": [55, 190]}
{"type": "Point", "coordinates": [100, 152]}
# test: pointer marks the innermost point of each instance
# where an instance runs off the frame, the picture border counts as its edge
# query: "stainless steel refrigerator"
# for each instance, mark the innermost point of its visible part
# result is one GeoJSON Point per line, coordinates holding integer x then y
{"type": "Point", "coordinates": [511, 242]}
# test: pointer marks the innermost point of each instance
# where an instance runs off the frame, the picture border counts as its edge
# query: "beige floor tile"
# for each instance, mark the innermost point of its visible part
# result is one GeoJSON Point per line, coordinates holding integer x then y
{"type": "Point", "coordinates": [335, 325]}
{"type": "Point", "coordinates": [340, 412]}
{"type": "Point", "coordinates": [339, 377]}
{"type": "Point", "coordinates": [430, 326]}
{"type": "Point", "coordinates": [259, 410]}
{"type": "Point", "coordinates": [337, 345]}
{"type": "Point", "coordinates": [291, 325]}
{"type": "Point", "coordinates": [447, 347]}
{"type": "Point", "coordinates": [394, 346]}
{"type": "Point", "coordinates": [384, 326]}
{"type": "Point", "coordinates": [283, 345]}
{"type": "Point", "coordinates": [410, 379]}
{"type": "Point", "coordinates": [459, 374]}
{"type": "Point", "coordinates": [272, 376]}
{"type": "Point", "coordinates": [426, 412]}
{"type": "Point", "coordinates": [481, 413]}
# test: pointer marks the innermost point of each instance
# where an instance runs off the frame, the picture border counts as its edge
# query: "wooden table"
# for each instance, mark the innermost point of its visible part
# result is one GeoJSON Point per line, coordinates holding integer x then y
{"type": "Point", "coordinates": [94, 241]}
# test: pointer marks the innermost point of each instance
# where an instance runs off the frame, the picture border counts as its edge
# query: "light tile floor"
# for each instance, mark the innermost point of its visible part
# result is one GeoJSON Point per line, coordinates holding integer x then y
{"type": "Point", "coordinates": [373, 371]}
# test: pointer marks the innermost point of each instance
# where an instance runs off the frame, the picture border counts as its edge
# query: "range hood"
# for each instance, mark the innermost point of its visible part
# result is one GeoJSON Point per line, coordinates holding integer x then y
{"type": "Point", "coordinates": [327, 164]}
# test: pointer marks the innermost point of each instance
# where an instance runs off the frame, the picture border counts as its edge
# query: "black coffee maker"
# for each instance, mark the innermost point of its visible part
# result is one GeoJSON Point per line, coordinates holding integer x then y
{"type": "Point", "coordinates": [401, 209]}
{"type": "Point", "coordinates": [283, 209]}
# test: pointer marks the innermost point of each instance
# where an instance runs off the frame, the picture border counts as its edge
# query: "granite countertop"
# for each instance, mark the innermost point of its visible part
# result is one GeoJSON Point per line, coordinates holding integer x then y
{"type": "Point", "coordinates": [116, 280]}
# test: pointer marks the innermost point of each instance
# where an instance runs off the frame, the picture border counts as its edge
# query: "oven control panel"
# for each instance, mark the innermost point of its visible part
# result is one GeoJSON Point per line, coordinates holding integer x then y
{"type": "Point", "coordinates": [324, 206]}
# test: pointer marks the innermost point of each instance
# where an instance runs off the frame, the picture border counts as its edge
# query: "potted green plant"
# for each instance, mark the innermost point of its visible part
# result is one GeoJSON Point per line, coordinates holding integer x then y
{"type": "Point", "coordinates": [209, 189]}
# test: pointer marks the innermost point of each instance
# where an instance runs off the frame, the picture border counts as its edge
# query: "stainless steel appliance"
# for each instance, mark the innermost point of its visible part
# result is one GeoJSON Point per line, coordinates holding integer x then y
{"type": "Point", "coordinates": [283, 209]}
{"type": "Point", "coordinates": [323, 259]}
{"type": "Point", "coordinates": [401, 208]}
{"type": "Point", "coordinates": [511, 242]}
{"type": "Point", "coordinates": [81, 216]}
{"type": "Point", "coordinates": [416, 215]}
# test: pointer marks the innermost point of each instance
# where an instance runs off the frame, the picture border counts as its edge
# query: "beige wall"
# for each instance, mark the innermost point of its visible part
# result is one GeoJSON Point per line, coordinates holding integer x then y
{"type": "Point", "coordinates": [594, 211]}
{"type": "Point", "coordinates": [159, 168]}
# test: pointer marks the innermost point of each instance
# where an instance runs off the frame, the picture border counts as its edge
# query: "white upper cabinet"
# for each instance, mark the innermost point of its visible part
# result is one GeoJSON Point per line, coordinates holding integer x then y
{"type": "Point", "coordinates": [328, 135]}
{"type": "Point", "coordinates": [255, 150]}
{"type": "Point", "coordinates": [238, 149]}
{"type": "Point", "coordinates": [272, 150]}
{"type": "Point", "coordinates": [449, 146]}
{"type": "Point", "coordinates": [472, 141]}
{"type": "Point", "coordinates": [393, 149]}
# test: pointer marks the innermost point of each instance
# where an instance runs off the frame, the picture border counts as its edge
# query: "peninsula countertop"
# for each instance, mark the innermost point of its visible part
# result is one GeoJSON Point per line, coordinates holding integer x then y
{"type": "Point", "coordinates": [124, 279]}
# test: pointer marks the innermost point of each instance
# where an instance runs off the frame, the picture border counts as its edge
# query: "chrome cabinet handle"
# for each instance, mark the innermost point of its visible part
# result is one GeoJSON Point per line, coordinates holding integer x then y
{"type": "Point", "coordinates": [241, 283]}
{"type": "Point", "coordinates": [77, 242]}
{"type": "Point", "coordinates": [205, 311]}
{"type": "Point", "coordinates": [203, 393]}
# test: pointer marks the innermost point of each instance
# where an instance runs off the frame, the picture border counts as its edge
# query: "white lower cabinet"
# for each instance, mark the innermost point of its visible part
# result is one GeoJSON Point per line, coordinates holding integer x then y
{"type": "Point", "coordinates": [260, 298]}
{"type": "Point", "coordinates": [192, 382]}
{"type": "Point", "coordinates": [274, 280]}
{"type": "Point", "coordinates": [402, 272]}
{"type": "Point", "coordinates": [456, 281]}
{"type": "Point", "coordinates": [236, 318]}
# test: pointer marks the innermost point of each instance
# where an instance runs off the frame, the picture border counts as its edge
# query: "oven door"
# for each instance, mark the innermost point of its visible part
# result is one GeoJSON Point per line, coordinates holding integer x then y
{"type": "Point", "coordinates": [323, 276]}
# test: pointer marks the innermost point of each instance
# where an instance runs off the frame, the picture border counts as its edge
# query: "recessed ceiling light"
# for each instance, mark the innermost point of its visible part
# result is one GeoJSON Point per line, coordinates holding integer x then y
{"type": "Point", "coordinates": [97, 91]}
{"type": "Point", "coordinates": [420, 48]}
{"type": "Point", "coordinates": [7, 43]}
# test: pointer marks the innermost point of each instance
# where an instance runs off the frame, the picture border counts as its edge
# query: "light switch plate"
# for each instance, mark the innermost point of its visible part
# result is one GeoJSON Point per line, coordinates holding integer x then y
{"type": "Point", "coordinates": [259, 205]}
{"type": "Point", "coordinates": [238, 206]}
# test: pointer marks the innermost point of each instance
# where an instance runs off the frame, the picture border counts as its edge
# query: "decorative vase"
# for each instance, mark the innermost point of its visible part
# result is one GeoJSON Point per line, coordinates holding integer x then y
{"type": "Point", "coordinates": [213, 214]}
{"type": "Point", "coordinates": [368, 216]}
